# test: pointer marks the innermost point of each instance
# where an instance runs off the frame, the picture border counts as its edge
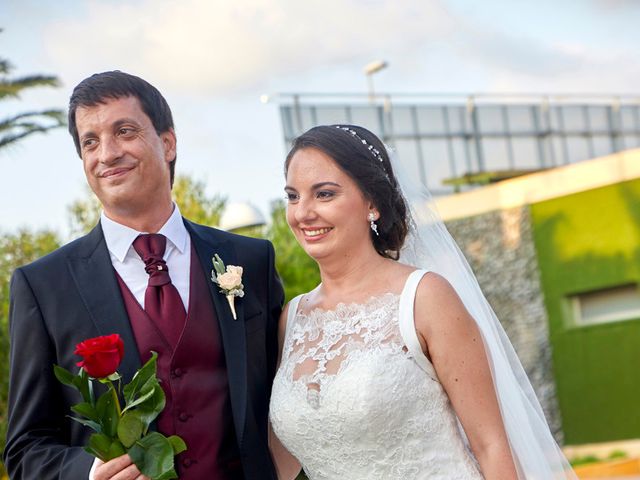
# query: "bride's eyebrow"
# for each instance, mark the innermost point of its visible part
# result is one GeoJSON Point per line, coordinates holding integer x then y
{"type": "Point", "coordinates": [315, 186]}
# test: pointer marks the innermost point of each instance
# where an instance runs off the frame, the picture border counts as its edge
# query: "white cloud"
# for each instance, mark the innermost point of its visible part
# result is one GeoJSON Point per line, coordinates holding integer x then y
{"type": "Point", "coordinates": [587, 70]}
{"type": "Point", "coordinates": [215, 46]}
{"type": "Point", "coordinates": [617, 4]}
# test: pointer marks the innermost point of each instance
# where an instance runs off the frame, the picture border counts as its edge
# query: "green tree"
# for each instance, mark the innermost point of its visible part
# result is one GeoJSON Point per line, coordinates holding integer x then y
{"type": "Point", "coordinates": [188, 193]}
{"type": "Point", "coordinates": [298, 271]}
{"type": "Point", "coordinates": [15, 250]}
{"type": "Point", "coordinates": [84, 213]}
{"type": "Point", "coordinates": [194, 202]}
{"type": "Point", "coordinates": [18, 126]}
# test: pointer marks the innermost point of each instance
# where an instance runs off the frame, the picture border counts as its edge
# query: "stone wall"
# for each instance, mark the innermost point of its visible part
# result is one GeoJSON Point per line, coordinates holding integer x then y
{"type": "Point", "coordinates": [499, 246]}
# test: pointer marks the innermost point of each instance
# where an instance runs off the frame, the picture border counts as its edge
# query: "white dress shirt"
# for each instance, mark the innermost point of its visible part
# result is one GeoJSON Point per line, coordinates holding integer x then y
{"type": "Point", "coordinates": [130, 266]}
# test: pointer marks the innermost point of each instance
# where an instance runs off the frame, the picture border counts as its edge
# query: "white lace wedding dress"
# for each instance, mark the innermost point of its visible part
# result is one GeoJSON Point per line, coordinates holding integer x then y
{"type": "Point", "coordinates": [350, 401]}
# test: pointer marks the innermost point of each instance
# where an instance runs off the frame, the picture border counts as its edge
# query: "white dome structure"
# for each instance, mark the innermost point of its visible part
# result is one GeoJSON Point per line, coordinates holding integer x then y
{"type": "Point", "coordinates": [241, 215]}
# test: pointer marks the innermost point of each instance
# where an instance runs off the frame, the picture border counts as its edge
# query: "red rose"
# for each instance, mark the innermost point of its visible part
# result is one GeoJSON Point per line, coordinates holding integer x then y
{"type": "Point", "coordinates": [101, 355]}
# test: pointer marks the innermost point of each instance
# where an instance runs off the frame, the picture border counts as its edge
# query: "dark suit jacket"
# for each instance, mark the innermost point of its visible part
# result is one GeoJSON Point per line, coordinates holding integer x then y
{"type": "Point", "coordinates": [72, 294]}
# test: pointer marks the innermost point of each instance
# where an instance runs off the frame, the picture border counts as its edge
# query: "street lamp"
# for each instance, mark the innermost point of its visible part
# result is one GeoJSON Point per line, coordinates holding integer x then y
{"type": "Point", "coordinates": [369, 70]}
{"type": "Point", "coordinates": [241, 215]}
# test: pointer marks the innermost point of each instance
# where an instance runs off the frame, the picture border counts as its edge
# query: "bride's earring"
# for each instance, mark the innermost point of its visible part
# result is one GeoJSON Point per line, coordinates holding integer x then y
{"type": "Point", "coordinates": [372, 223]}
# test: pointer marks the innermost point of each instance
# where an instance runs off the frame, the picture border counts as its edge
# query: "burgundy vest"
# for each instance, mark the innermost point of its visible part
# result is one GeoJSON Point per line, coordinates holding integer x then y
{"type": "Point", "coordinates": [193, 376]}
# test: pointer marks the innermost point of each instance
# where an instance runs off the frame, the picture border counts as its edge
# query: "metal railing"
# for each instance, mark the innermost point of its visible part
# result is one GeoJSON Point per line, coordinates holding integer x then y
{"type": "Point", "coordinates": [453, 136]}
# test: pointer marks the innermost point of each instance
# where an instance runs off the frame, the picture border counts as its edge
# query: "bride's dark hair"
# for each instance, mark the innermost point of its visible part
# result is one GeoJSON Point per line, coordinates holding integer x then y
{"type": "Point", "coordinates": [362, 156]}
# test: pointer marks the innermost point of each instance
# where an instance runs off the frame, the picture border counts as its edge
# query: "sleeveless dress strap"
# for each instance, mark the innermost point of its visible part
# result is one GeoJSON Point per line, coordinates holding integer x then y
{"type": "Point", "coordinates": [291, 314]}
{"type": "Point", "coordinates": [407, 325]}
{"type": "Point", "coordinates": [293, 308]}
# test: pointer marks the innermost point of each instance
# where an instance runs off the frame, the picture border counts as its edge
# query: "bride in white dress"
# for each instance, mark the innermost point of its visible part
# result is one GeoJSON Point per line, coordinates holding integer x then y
{"type": "Point", "coordinates": [384, 373]}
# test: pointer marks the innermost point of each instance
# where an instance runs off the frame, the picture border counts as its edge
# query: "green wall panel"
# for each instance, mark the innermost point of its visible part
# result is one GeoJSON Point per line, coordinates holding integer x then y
{"type": "Point", "coordinates": [591, 241]}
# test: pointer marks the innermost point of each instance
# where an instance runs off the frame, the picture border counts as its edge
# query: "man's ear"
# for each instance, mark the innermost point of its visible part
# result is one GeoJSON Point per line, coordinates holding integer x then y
{"type": "Point", "coordinates": [169, 144]}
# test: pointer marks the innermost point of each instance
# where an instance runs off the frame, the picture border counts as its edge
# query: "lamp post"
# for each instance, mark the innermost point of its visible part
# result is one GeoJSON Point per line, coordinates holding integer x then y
{"type": "Point", "coordinates": [369, 70]}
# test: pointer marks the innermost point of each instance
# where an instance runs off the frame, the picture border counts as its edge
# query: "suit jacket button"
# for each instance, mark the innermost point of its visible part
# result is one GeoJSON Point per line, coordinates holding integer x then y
{"type": "Point", "coordinates": [187, 462]}
{"type": "Point", "coordinates": [183, 417]}
{"type": "Point", "coordinates": [177, 373]}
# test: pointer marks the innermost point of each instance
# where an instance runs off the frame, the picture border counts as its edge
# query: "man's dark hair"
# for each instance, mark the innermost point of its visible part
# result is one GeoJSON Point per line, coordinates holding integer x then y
{"type": "Point", "coordinates": [100, 87]}
{"type": "Point", "coordinates": [371, 172]}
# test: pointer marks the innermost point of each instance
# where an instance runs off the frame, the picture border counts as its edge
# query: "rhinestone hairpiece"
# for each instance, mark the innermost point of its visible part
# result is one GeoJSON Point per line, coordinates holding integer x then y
{"type": "Point", "coordinates": [374, 151]}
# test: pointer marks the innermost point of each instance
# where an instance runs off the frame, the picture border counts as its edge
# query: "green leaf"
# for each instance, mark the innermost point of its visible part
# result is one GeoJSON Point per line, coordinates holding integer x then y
{"type": "Point", "coordinates": [168, 475]}
{"type": "Point", "coordinates": [88, 423]}
{"type": "Point", "coordinates": [84, 386]}
{"type": "Point", "coordinates": [177, 444]}
{"type": "Point", "coordinates": [153, 455]}
{"type": "Point", "coordinates": [218, 264]}
{"type": "Point", "coordinates": [104, 447]}
{"type": "Point", "coordinates": [149, 410]}
{"type": "Point", "coordinates": [107, 410]}
{"type": "Point", "coordinates": [145, 394]}
{"type": "Point", "coordinates": [130, 428]}
{"type": "Point", "coordinates": [142, 376]}
{"type": "Point", "coordinates": [115, 449]}
{"type": "Point", "coordinates": [92, 452]}
{"type": "Point", "coordinates": [100, 443]}
{"type": "Point", "coordinates": [64, 376]}
{"type": "Point", "coordinates": [86, 410]}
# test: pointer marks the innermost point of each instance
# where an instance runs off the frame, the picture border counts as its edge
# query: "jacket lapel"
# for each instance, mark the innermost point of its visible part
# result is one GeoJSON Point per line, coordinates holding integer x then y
{"type": "Point", "coordinates": [94, 276]}
{"type": "Point", "coordinates": [232, 331]}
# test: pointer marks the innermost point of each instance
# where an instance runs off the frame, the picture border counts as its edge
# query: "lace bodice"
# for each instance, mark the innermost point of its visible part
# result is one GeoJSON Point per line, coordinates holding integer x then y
{"type": "Point", "coordinates": [349, 401]}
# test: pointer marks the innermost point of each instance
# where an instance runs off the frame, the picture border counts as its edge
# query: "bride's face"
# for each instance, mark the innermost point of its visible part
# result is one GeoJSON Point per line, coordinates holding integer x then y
{"type": "Point", "coordinates": [326, 210]}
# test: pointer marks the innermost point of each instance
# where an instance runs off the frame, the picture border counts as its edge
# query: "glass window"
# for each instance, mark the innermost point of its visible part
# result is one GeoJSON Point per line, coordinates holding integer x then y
{"type": "Point", "coordinates": [287, 124]}
{"type": "Point", "coordinates": [598, 119]}
{"type": "Point", "coordinates": [631, 141]}
{"type": "Point", "coordinates": [407, 154]}
{"type": "Point", "coordinates": [330, 114]}
{"type": "Point", "coordinates": [574, 120]}
{"type": "Point", "coordinates": [630, 118]}
{"type": "Point", "coordinates": [460, 157]}
{"type": "Point", "coordinates": [307, 116]}
{"type": "Point", "coordinates": [557, 118]}
{"type": "Point", "coordinates": [431, 120]}
{"type": "Point", "coordinates": [578, 148]}
{"type": "Point", "coordinates": [437, 166]}
{"type": "Point", "coordinates": [602, 145]}
{"type": "Point", "coordinates": [458, 120]}
{"type": "Point", "coordinates": [366, 116]}
{"type": "Point", "coordinates": [402, 121]}
{"type": "Point", "coordinates": [490, 119]}
{"type": "Point", "coordinates": [520, 119]}
{"type": "Point", "coordinates": [495, 154]}
{"type": "Point", "coordinates": [525, 152]}
{"type": "Point", "coordinates": [609, 305]}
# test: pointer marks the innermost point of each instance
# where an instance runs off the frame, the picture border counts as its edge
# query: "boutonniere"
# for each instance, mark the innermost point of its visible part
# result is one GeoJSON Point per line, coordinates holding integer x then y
{"type": "Point", "coordinates": [229, 280]}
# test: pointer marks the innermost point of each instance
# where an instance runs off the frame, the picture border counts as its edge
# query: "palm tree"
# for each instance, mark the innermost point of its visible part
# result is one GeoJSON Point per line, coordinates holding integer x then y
{"type": "Point", "coordinates": [20, 125]}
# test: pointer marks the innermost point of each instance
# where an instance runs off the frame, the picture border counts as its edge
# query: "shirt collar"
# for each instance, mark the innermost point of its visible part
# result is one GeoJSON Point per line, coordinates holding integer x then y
{"type": "Point", "coordinates": [119, 237]}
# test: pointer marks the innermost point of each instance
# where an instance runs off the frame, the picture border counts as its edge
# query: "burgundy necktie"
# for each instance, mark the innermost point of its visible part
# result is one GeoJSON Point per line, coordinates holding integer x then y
{"type": "Point", "coordinates": [162, 301]}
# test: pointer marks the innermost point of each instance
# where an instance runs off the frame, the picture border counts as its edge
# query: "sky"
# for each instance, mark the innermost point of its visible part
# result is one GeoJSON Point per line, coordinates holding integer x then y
{"type": "Point", "coordinates": [213, 59]}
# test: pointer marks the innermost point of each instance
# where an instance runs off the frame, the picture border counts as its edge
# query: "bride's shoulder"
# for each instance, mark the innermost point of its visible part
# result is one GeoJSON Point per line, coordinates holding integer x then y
{"type": "Point", "coordinates": [436, 299]}
{"type": "Point", "coordinates": [433, 283]}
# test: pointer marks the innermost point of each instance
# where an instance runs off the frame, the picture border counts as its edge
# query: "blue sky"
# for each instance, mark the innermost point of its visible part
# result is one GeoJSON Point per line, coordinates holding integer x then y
{"type": "Point", "coordinates": [212, 59]}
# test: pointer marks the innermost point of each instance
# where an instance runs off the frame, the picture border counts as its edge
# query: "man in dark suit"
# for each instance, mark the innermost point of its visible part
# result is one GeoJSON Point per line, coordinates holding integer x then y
{"type": "Point", "coordinates": [216, 371]}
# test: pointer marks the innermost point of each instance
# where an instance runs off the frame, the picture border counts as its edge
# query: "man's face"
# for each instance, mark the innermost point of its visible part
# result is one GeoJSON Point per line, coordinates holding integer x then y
{"type": "Point", "coordinates": [126, 162]}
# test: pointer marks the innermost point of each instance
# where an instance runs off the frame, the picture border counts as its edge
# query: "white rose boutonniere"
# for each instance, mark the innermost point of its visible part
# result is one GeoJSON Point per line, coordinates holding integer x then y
{"type": "Point", "coordinates": [229, 279]}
